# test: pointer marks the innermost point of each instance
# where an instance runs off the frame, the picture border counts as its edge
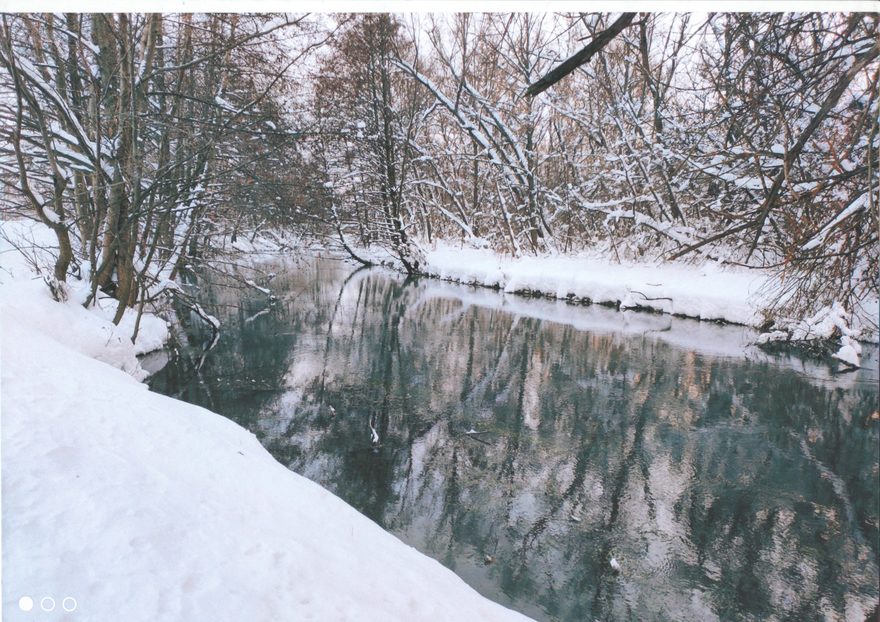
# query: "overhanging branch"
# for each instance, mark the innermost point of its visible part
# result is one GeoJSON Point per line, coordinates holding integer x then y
{"type": "Point", "coordinates": [573, 62]}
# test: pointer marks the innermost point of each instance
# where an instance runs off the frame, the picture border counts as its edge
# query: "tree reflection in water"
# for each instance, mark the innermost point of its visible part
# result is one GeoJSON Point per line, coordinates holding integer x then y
{"type": "Point", "coordinates": [728, 488]}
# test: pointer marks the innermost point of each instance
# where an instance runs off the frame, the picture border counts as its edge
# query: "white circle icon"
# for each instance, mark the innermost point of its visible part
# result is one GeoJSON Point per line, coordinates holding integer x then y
{"type": "Point", "coordinates": [25, 603]}
{"type": "Point", "coordinates": [69, 603]}
{"type": "Point", "coordinates": [47, 603]}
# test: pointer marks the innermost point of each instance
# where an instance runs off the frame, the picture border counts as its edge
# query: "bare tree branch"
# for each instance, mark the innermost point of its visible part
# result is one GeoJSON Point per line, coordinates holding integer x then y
{"type": "Point", "coordinates": [576, 60]}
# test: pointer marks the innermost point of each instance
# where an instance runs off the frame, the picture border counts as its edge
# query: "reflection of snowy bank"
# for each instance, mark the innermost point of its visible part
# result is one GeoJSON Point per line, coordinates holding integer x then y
{"type": "Point", "coordinates": [706, 292]}
{"type": "Point", "coordinates": [702, 337]}
{"type": "Point", "coordinates": [705, 338]}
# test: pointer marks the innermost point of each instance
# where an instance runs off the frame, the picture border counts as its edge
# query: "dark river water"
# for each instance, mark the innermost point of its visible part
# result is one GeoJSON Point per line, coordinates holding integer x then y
{"type": "Point", "coordinates": [524, 443]}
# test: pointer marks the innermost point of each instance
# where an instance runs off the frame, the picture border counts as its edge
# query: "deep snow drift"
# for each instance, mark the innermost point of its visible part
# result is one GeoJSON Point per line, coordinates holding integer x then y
{"type": "Point", "coordinates": [142, 507]}
{"type": "Point", "coordinates": [26, 246]}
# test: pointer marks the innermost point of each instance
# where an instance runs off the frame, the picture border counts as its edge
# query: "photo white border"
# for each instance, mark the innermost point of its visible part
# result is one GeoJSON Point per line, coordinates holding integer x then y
{"type": "Point", "coordinates": [439, 6]}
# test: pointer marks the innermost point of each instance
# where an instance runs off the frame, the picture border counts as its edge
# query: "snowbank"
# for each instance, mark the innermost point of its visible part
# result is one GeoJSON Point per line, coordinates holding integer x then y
{"type": "Point", "coordinates": [24, 245]}
{"type": "Point", "coordinates": [75, 327]}
{"type": "Point", "coordinates": [141, 507]}
{"type": "Point", "coordinates": [706, 292]}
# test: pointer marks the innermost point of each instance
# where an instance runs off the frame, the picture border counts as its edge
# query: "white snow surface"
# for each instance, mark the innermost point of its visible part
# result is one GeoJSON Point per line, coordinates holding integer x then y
{"type": "Point", "coordinates": [144, 508]}
{"type": "Point", "coordinates": [25, 295]}
{"type": "Point", "coordinates": [93, 335]}
{"type": "Point", "coordinates": [707, 292]}
{"type": "Point", "coordinates": [849, 352]}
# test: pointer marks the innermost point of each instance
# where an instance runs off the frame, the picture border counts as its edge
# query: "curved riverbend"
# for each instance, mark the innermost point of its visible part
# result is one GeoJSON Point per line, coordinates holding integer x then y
{"type": "Point", "coordinates": [526, 443]}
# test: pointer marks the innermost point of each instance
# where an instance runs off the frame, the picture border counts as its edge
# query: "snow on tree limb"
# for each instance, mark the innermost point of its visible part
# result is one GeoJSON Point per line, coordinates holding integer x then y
{"type": "Point", "coordinates": [582, 57]}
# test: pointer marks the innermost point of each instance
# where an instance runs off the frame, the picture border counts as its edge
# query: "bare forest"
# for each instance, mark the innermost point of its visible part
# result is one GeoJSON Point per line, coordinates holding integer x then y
{"type": "Point", "coordinates": [148, 142]}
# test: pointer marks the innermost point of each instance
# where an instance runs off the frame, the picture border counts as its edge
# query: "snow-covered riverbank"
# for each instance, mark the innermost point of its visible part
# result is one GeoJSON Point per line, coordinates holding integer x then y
{"type": "Point", "coordinates": [141, 507]}
{"type": "Point", "coordinates": [706, 292]}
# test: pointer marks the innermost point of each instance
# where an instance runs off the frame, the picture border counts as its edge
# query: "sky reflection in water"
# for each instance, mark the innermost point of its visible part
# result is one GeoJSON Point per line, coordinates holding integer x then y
{"type": "Point", "coordinates": [728, 486]}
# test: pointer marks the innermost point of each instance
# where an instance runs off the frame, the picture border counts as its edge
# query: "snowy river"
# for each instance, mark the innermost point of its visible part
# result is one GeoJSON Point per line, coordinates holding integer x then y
{"type": "Point", "coordinates": [524, 443]}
